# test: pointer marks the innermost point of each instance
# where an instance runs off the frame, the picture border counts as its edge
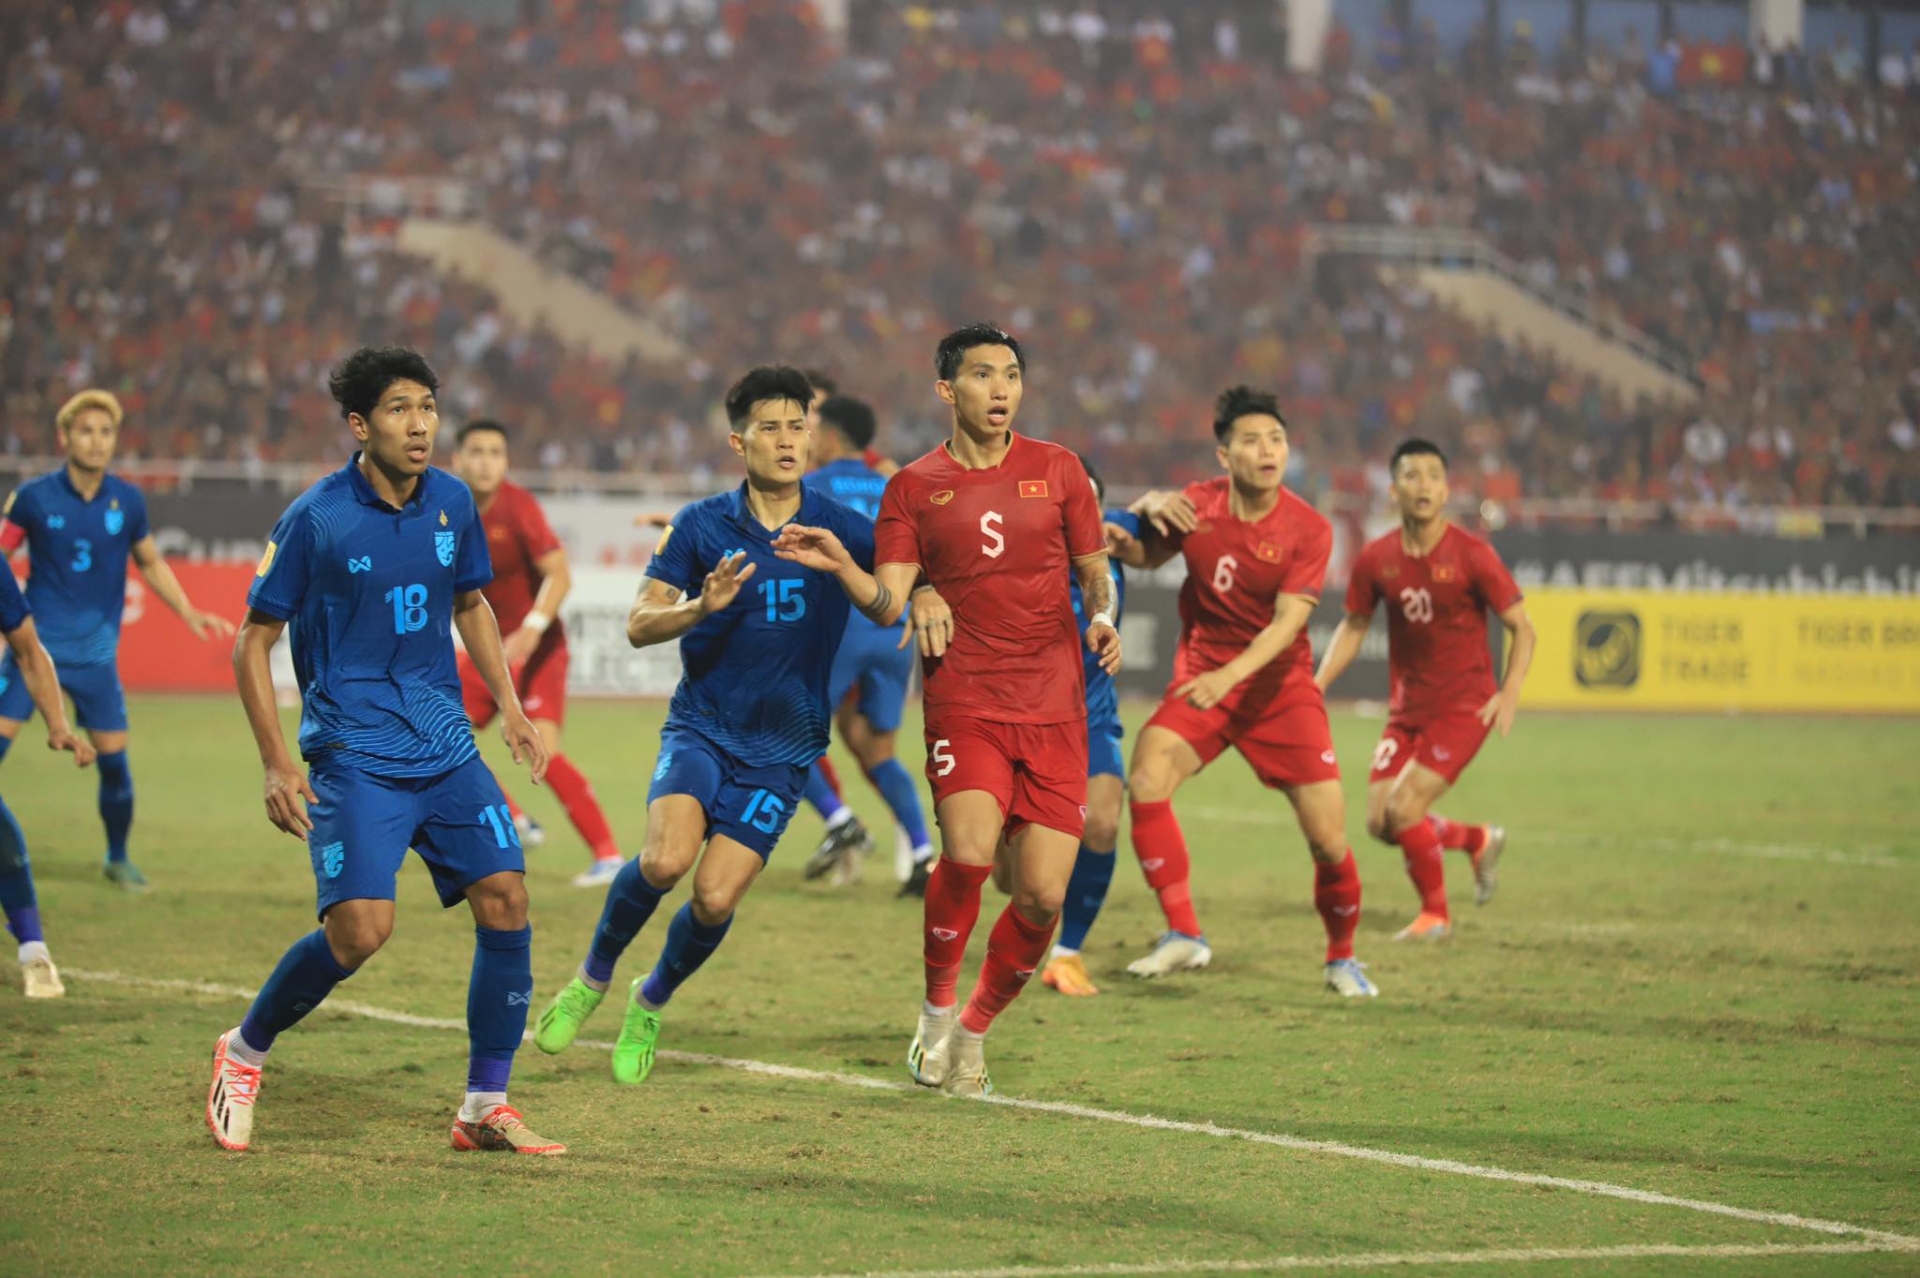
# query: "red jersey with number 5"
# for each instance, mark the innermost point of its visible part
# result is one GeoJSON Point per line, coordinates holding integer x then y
{"type": "Point", "coordinates": [517, 536]}
{"type": "Point", "coordinates": [1236, 572]}
{"type": "Point", "coordinates": [997, 545]}
{"type": "Point", "coordinates": [1437, 606]}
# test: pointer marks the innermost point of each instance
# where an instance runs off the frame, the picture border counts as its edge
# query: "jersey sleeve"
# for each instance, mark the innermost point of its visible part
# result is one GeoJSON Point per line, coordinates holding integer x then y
{"type": "Point", "coordinates": [473, 562]}
{"type": "Point", "coordinates": [896, 535]}
{"type": "Point", "coordinates": [13, 605]}
{"type": "Point", "coordinates": [536, 534]}
{"type": "Point", "coordinates": [19, 516]}
{"type": "Point", "coordinates": [1081, 512]}
{"type": "Point", "coordinates": [1363, 586]}
{"type": "Point", "coordinates": [856, 534]}
{"type": "Point", "coordinates": [137, 524]}
{"type": "Point", "coordinates": [1496, 585]}
{"type": "Point", "coordinates": [1307, 566]}
{"type": "Point", "coordinates": [280, 583]}
{"type": "Point", "coordinates": [1123, 519]}
{"type": "Point", "coordinates": [675, 557]}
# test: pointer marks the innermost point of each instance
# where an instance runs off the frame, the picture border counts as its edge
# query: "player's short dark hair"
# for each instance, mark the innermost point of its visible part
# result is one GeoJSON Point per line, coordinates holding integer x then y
{"type": "Point", "coordinates": [1415, 448]}
{"type": "Point", "coordinates": [1236, 402]}
{"type": "Point", "coordinates": [479, 424]}
{"type": "Point", "coordinates": [1099, 485]}
{"type": "Point", "coordinates": [775, 381]}
{"type": "Point", "coordinates": [822, 383]}
{"type": "Point", "coordinates": [358, 381]}
{"type": "Point", "coordinates": [954, 346]}
{"type": "Point", "coordinates": [852, 417]}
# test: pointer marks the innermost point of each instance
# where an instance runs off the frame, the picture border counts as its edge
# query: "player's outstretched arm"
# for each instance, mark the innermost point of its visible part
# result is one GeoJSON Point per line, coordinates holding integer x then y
{"type": "Point", "coordinates": [880, 595]}
{"type": "Point", "coordinates": [473, 618]}
{"type": "Point", "coordinates": [1165, 518]}
{"type": "Point", "coordinates": [159, 575]}
{"type": "Point", "coordinates": [43, 685]}
{"type": "Point", "coordinates": [661, 613]}
{"type": "Point", "coordinates": [1500, 709]}
{"type": "Point", "coordinates": [1345, 646]}
{"type": "Point", "coordinates": [287, 791]}
{"type": "Point", "coordinates": [1096, 589]}
{"type": "Point", "coordinates": [1290, 613]}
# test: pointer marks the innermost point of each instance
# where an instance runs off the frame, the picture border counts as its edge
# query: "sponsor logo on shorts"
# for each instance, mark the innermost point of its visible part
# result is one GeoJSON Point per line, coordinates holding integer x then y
{"type": "Point", "coordinates": [1329, 757]}
{"type": "Point", "coordinates": [943, 933]}
{"type": "Point", "coordinates": [532, 703]}
{"type": "Point", "coordinates": [1442, 753]}
{"type": "Point", "coordinates": [942, 497]}
{"type": "Point", "coordinates": [1606, 649]}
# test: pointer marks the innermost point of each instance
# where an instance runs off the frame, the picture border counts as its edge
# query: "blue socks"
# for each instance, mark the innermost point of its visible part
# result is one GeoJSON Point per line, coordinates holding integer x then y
{"type": "Point", "coordinates": [896, 786]}
{"type": "Point", "coordinates": [821, 795]}
{"type": "Point", "coordinates": [689, 944]}
{"type": "Point", "coordinates": [631, 901]}
{"type": "Point", "coordinates": [16, 881]}
{"type": "Point", "coordinates": [306, 975]}
{"type": "Point", "coordinates": [116, 801]}
{"type": "Point", "coordinates": [498, 996]}
{"type": "Point", "coordinates": [1086, 893]}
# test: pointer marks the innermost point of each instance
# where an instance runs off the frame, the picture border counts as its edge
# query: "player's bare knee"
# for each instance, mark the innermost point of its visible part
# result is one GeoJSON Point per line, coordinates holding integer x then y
{"type": "Point", "coordinates": [499, 902]}
{"type": "Point", "coordinates": [663, 866]}
{"type": "Point", "coordinates": [1327, 849]}
{"type": "Point", "coordinates": [354, 940]}
{"type": "Point", "coordinates": [1040, 906]}
{"type": "Point", "coordinates": [715, 904]}
{"type": "Point", "coordinates": [1378, 828]}
{"type": "Point", "coordinates": [1102, 832]}
{"type": "Point", "coordinates": [1403, 810]}
{"type": "Point", "coordinates": [1150, 781]}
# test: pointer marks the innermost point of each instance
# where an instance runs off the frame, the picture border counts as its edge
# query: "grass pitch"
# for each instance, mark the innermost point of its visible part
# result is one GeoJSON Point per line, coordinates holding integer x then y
{"type": "Point", "coordinates": [1698, 980]}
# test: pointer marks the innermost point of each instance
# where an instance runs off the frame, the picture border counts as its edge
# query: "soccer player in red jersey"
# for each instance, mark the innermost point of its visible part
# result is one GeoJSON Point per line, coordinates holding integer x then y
{"type": "Point", "coordinates": [1243, 676]}
{"type": "Point", "coordinates": [992, 520]}
{"type": "Point", "coordinates": [530, 580]}
{"type": "Point", "coordinates": [1438, 584]}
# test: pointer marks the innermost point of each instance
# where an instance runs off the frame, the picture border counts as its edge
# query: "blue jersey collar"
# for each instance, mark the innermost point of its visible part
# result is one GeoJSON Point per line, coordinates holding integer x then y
{"type": "Point", "coordinates": [363, 491]}
{"type": "Point", "coordinates": [744, 516]}
{"type": "Point", "coordinates": [66, 482]}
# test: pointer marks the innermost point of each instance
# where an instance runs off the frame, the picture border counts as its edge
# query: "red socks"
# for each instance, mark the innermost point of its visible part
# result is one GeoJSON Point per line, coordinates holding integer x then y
{"type": "Point", "coordinates": [1456, 837]}
{"type": "Point", "coordinates": [575, 793]}
{"type": "Point", "coordinates": [1162, 850]}
{"type": "Point", "coordinates": [1336, 894]}
{"type": "Point", "coordinates": [1420, 845]}
{"type": "Point", "coordinates": [952, 908]}
{"type": "Point", "coordinates": [1014, 949]}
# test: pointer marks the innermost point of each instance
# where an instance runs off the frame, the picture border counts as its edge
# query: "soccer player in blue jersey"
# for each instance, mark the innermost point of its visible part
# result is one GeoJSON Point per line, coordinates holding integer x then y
{"type": "Point", "coordinates": [39, 977]}
{"type": "Point", "coordinates": [373, 567]}
{"type": "Point", "coordinates": [758, 634]}
{"type": "Point", "coordinates": [1066, 971]}
{"type": "Point", "coordinates": [875, 661]}
{"type": "Point", "coordinates": [79, 524]}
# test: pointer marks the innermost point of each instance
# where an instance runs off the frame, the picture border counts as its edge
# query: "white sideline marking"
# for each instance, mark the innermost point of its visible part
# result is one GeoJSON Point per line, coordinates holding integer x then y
{"type": "Point", "coordinates": [1381, 1260]}
{"type": "Point", "coordinates": [1874, 855]}
{"type": "Point", "coordinates": [1600, 1189]}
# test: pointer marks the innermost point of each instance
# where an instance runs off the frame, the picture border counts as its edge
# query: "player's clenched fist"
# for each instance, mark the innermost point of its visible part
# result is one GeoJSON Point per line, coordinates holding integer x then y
{"type": "Point", "coordinates": [61, 739]}
{"type": "Point", "coordinates": [1104, 641]}
{"type": "Point", "coordinates": [724, 582]}
{"type": "Point", "coordinates": [287, 795]}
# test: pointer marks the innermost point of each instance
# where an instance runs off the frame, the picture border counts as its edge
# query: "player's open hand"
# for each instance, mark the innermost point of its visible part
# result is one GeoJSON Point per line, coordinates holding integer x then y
{"type": "Point", "coordinates": [930, 621]}
{"type": "Point", "coordinates": [81, 748]}
{"type": "Point", "coordinates": [1498, 712]}
{"type": "Point", "coordinates": [288, 793]}
{"type": "Point", "coordinates": [1169, 513]}
{"type": "Point", "coordinates": [1105, 641]}
{"type": "Point", "coordinates": [1204, 692]}
{"type": "Point", "coordinates": [1118, 539]}
{"type": "Point", "coordinates": [815, 548]}
{"type": "Point", "coordinates": [723, 584]}
{"type": "Point", "coordinates": [207, 625]}
{"type": "Point", "coordinates": [652, 519]}
{"type": "Point", "coordinates": [528, 746]}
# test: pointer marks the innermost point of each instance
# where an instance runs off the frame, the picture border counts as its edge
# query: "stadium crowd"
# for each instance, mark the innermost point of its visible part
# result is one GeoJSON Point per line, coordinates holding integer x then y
{"type": "Point", "coordinates": [1128, 191]}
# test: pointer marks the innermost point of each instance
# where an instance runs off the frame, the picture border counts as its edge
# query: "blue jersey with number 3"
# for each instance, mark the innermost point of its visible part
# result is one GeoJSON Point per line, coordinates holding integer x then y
{"type": "Point", "coordinates": [79, 550]}
{"type": "Point", "coordinates": [368, 592]}
{"type": "Point", "coordinates": [756, 672]}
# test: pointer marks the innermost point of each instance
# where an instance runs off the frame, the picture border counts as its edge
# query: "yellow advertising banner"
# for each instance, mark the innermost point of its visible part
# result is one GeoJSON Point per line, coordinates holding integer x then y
{"type": "Point", "coordinates": [1644, 650]}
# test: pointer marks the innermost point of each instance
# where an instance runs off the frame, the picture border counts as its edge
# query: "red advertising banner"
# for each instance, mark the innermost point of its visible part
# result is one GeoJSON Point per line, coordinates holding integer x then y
{"type": "Point", "coordinates": [157, 651]}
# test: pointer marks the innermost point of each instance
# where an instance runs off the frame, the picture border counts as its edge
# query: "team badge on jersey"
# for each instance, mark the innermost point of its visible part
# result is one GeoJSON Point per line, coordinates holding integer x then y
{"type": "Point", "coordinates": [443, 546]}
{"type": "Point", "coordinates": [116, 518]}
{"type": "Point", "coordinates": [942, 497]}
{"type": "Point", "coordinates": [1267, 552]}
{"type": "Point", "coordinates": [1033, 488]}
{"type": "Point", "coordinates": [266, 560]}
{"type": "Point", "coordinates": [1443, 572]}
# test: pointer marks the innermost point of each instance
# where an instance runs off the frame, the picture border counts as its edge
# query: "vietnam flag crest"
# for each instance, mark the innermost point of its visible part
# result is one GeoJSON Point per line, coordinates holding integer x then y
{"type": "Point", "coordinates": [1033, 488]}
{"type": "Point", "coordinates": [1443, 572]}
{"type": "Point", "coordinates": [1267, 552]}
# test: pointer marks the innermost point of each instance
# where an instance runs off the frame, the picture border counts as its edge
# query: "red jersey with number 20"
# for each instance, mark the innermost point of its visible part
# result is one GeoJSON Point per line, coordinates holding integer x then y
{"type": "Point", "coordinates": [1437, 605]}
{"type": "Point", "coordinates": [997, 544]}
{"type": "Point", "coordinates": [517, 536]}
{"type": "Point", "coordinates": [1236, 572]}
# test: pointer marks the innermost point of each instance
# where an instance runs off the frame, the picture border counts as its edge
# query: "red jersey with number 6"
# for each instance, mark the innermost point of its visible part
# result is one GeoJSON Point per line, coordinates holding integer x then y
{"type": "Point", "coordinates": [1236, 572]}
{"type": "Point", "coordinates": [997, 544]}
{"type": "Point", "coordinates": [1437, 606]}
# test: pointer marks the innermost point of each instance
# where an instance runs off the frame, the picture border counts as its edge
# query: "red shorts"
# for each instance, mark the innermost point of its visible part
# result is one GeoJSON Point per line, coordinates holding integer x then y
{"type": "Point", "coordinates": [541, 683]}
{"type": "Point", "coordinates": [1288, 742]}
{"type": "Point", "coordinates": [1036, 771]}
{"type": "Point", "coordinates": [1446, 746]}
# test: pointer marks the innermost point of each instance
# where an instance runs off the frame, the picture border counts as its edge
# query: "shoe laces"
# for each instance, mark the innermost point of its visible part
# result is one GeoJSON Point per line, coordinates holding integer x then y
{"type": "Point", "coordinates": [242, 1080]}
{"type": "Point", "coordinates": [502, 1118]}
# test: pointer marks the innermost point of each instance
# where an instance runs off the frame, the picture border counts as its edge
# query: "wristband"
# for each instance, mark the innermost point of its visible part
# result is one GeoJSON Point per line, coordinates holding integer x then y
{"type": "Point", "coordinates": [536, 622]}
{"type": "Point", "coordinates": [1100, 619]}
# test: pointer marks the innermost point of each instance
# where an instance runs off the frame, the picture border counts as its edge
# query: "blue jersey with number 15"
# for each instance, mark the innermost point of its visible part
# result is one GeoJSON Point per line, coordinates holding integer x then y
{"type": "Point", "coordinates": [368, 592]}
{"type": "Point", "coordinates": [756, 672]}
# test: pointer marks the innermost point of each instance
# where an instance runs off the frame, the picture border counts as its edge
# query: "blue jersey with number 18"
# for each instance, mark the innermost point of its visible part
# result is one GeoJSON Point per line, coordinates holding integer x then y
{"type": "Point", "coordinates": [368, 591]}
{"type": "Point", "coordinates": [756, 672]}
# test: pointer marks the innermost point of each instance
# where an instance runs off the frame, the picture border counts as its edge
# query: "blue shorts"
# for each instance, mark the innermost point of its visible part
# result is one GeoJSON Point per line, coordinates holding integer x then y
{"type": "Point", "coordinates": [99, 704]}
{"type": "Point", "coordinates": [363, 825]}
{"type": "Point", "coordinates": [1103, 747]}
{"type": "Point", "coordinates": [872, 660]}
{"type": "Point", "coordinates": [749, 805]}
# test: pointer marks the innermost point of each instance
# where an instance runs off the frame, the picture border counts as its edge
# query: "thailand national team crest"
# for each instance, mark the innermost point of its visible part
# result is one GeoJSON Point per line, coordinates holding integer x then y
{"type": "Point", "coordinates": [116, 518]}
{"type": "Point", "coordinates": [443, 547]}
